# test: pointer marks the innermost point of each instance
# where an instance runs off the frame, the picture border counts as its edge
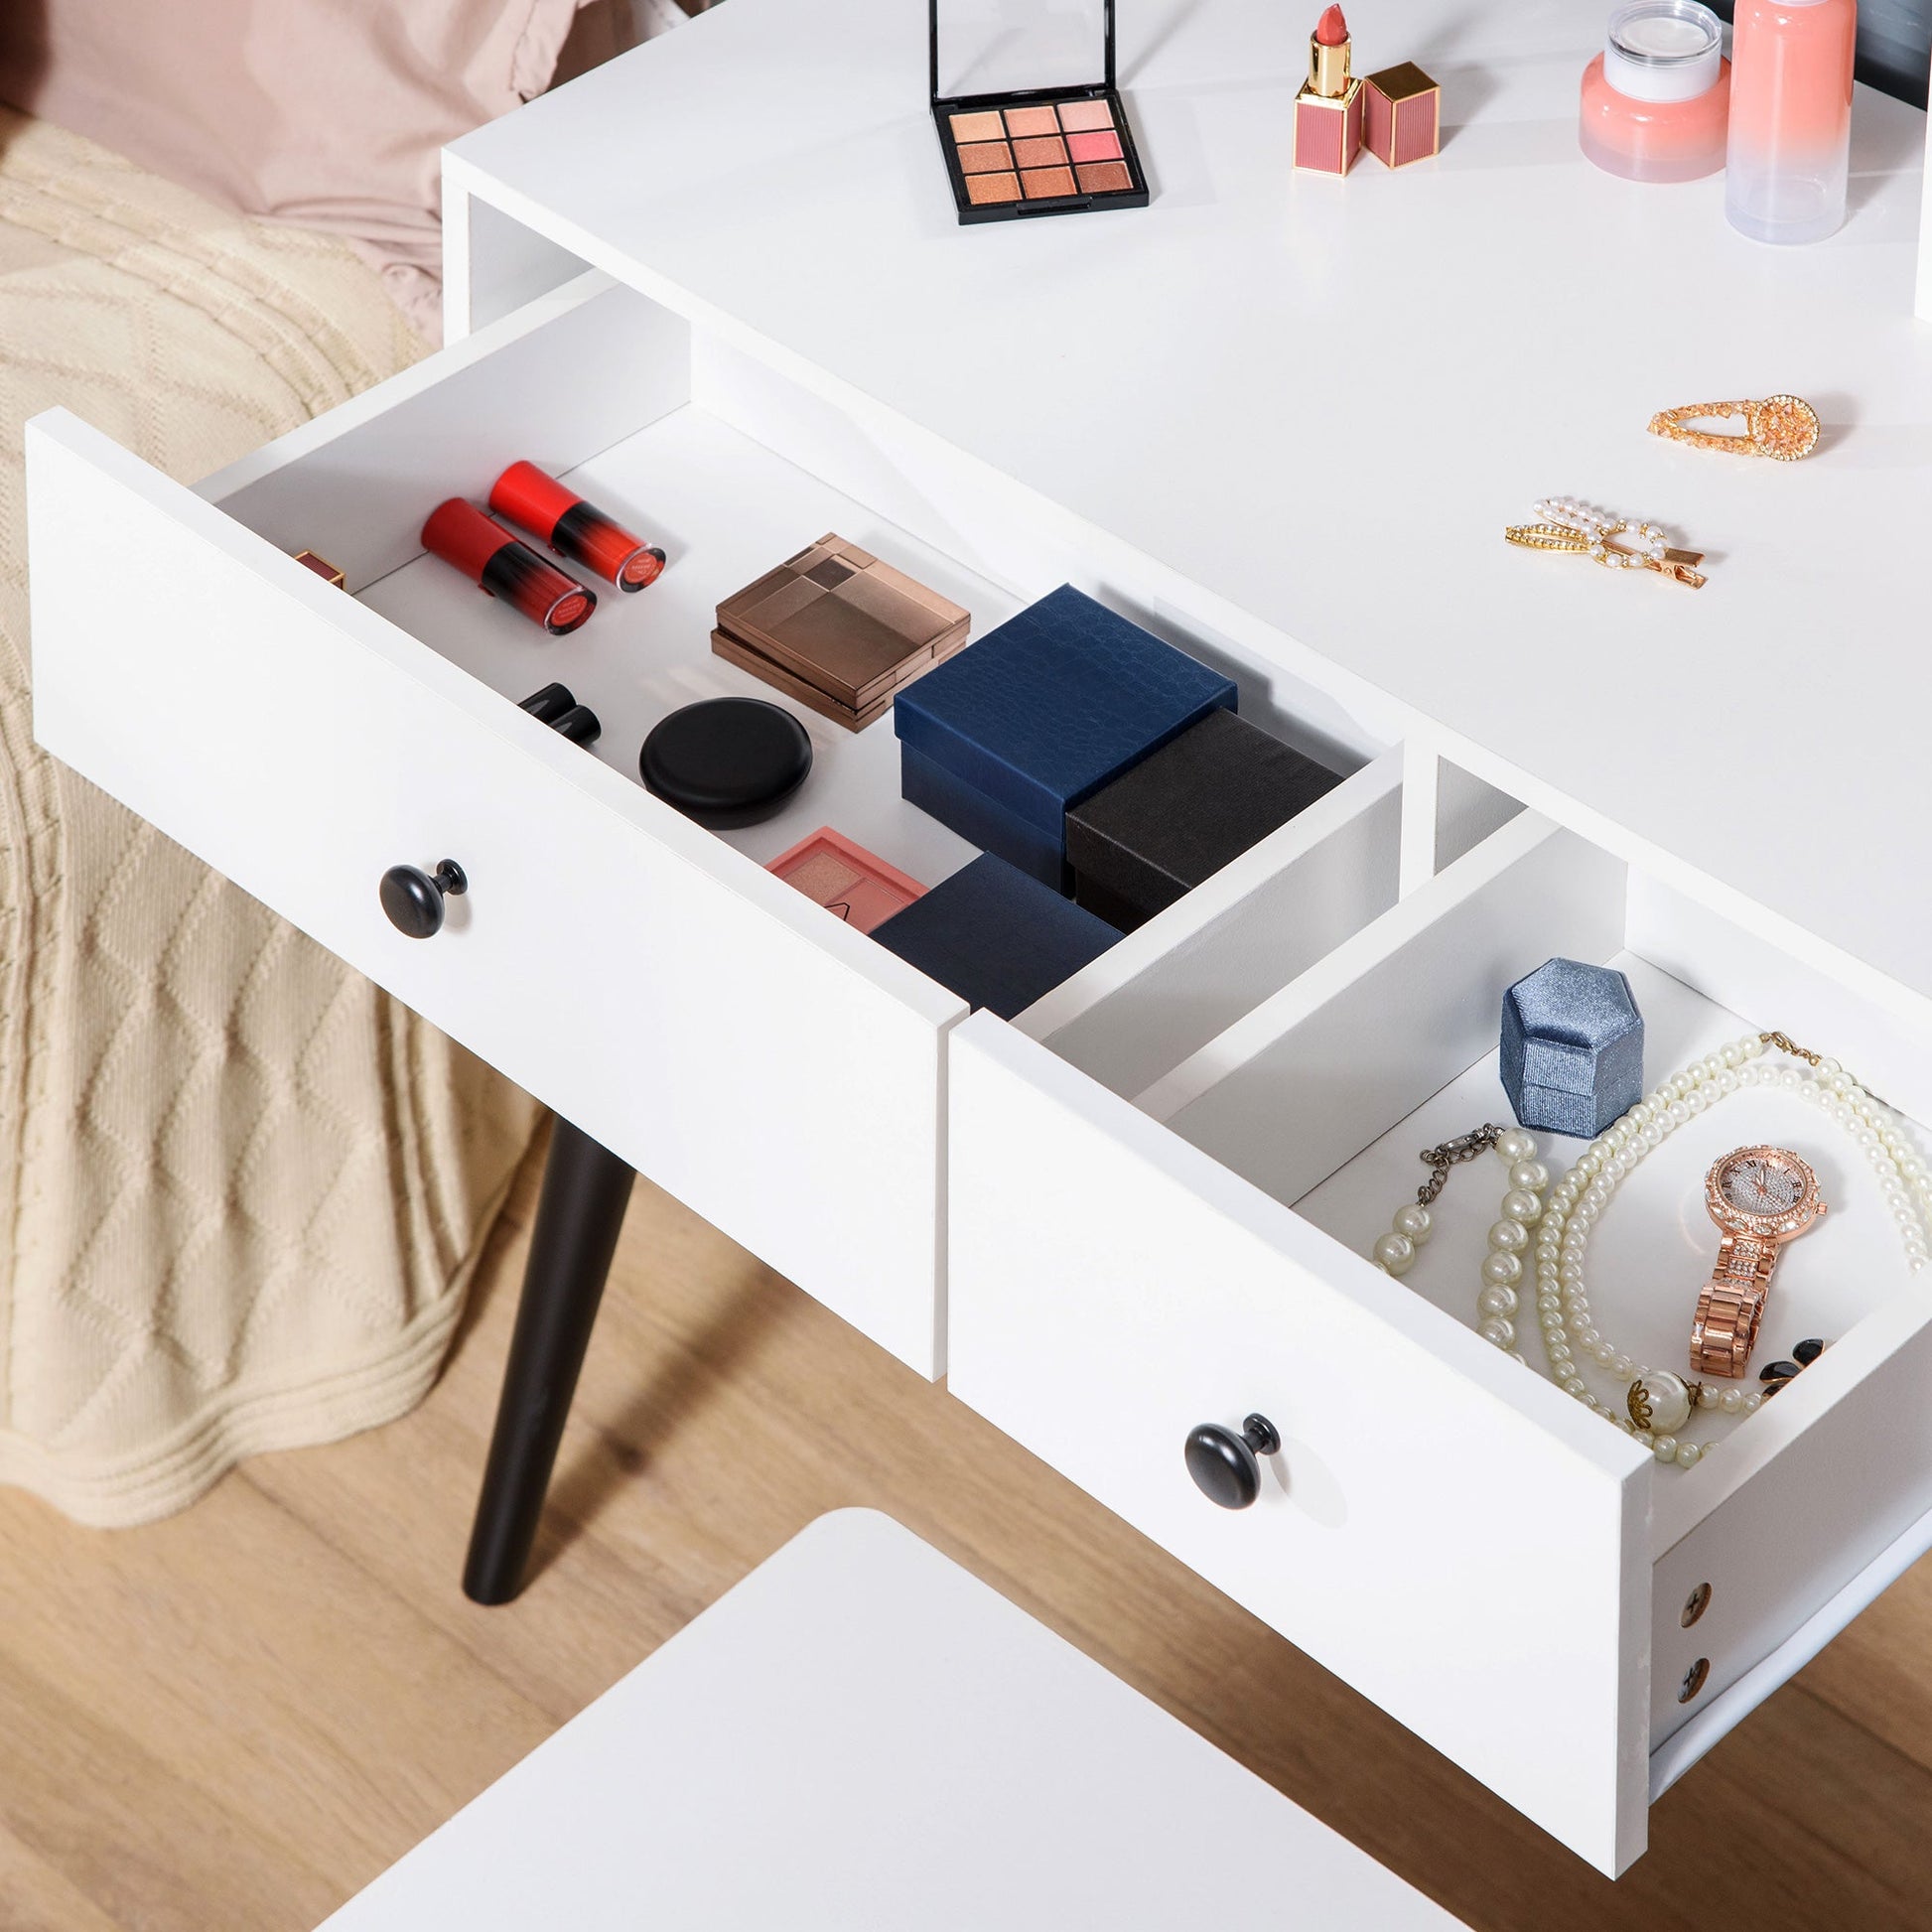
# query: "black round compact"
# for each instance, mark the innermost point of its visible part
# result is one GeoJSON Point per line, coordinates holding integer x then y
{"type": "Point", "coordinates": [727, 761]}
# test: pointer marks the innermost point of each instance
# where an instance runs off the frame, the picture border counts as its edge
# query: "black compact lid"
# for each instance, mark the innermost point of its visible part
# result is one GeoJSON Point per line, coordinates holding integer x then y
{"type": "Point", "coordinates": [727, 761]}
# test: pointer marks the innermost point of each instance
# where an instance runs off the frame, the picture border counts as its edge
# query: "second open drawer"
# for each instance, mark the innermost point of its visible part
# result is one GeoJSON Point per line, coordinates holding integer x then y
{"type": "Point", "coordinates": [1444, 1527]}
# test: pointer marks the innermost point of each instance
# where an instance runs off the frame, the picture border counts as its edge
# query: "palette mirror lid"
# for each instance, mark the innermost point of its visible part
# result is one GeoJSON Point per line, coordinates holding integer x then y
{"type": "Point", "coordinates": [983, 49]}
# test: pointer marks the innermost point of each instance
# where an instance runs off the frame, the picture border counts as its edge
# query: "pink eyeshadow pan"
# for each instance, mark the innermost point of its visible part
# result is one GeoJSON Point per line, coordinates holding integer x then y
{"type": "Point", "coordinates": [1032, 120]}
{"type": "Point", "coordinates": [1093, 147]}
{"type": "Point", "coordinates": [1080, 117]}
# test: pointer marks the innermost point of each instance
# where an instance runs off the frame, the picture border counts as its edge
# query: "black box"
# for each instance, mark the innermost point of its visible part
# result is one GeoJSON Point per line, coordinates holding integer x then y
{"type": "Point", "coordinates": [1178, 816]}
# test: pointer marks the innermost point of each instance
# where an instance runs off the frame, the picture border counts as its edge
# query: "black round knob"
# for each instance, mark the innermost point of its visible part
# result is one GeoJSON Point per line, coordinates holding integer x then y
{"type": "Point", "coordinates": [1226, 1467]}
{"type": "Point", "coordinates": [413, 897]}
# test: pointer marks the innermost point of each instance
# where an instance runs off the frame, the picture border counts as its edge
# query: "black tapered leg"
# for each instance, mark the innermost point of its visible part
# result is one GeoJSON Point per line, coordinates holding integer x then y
{"type": "Point", "coordinates": [585, 1189]}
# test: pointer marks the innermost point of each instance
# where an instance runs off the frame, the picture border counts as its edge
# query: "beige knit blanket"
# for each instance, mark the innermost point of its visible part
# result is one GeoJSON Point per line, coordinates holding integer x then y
{"type": "Point", "coordinates": [241, 1191]}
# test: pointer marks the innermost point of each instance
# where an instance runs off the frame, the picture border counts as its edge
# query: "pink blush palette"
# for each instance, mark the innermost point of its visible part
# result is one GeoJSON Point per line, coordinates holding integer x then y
{"type": "Point", "coordinates": [852, 883]}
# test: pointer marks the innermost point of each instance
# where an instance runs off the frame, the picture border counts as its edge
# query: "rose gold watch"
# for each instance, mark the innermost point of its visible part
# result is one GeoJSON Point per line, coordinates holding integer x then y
{"type": "Point", "coordinates": [1761, 1198]}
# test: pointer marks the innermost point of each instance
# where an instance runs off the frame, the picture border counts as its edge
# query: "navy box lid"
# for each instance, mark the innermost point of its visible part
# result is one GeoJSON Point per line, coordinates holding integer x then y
{"type": "Point", "coordinates": [1057, 700]}
{"type": "Point", "coordinates": [995, 937]}
{"type": "Point", "coordinates": [1183, 813]}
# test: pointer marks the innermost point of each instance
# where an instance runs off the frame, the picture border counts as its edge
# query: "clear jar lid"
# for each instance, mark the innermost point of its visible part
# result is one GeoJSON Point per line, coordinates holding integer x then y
{"type": "Point", "coordinates": [1663, 50]}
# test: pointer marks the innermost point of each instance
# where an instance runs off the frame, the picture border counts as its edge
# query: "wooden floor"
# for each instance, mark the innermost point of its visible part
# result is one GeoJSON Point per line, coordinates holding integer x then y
{"type": "Point", "coordinates": [237, 1718]}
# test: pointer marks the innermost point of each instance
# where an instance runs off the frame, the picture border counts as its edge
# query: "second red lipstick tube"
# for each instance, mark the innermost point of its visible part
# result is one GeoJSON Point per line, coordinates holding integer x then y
{"type": "Point", "coordinates": [575, 528]}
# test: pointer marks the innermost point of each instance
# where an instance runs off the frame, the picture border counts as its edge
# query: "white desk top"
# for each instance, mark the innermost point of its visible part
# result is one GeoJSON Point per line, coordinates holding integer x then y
{"type": "Point", "coordinates": [1323, 400]}
{"type": "Point", "coordinates": [861, 1734]}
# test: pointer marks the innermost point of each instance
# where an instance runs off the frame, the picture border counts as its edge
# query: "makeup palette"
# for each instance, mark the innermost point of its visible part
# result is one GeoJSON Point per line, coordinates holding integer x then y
{"type": "Point", "coordinates": [852, 883]}
{"type": "Point", "coordinates": [839, 630]}
{"type": "Point", "coordinates": [1037, 150]}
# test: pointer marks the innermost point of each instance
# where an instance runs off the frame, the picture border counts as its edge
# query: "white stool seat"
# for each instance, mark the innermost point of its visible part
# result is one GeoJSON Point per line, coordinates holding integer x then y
{"type": "Point", "coordinates": [862, 1735]}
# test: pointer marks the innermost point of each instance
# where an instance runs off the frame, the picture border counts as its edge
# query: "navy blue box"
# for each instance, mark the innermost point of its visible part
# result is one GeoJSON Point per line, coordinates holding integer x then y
{"type": "Point", "coordinates": [995, 937]}
{"type": "Point", "coordinates": [1050, 706]}
{"type": "Point", "coordinates": [976, 818]}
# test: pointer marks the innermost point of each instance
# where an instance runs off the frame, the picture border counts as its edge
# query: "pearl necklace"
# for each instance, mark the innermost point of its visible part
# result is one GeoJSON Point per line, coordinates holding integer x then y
{"type": "Point", "coordinates": [1562, 1229]}
{"type": "Point", "coordinates": [1522, 1208]}
{"type": "Point", "coordinates": [1561, 1301]}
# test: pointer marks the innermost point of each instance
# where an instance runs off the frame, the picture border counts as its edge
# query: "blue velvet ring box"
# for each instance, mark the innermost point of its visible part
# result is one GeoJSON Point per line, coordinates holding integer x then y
{"type": "Point", "coordinates": [1060, 699]}
{"type": "Point", "coordinates": [1571, 1053]}
{"type": "Point", "coordinates": [995, 937]}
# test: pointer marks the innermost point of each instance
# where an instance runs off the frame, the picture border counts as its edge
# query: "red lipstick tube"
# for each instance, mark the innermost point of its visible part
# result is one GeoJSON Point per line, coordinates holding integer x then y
{"type": "Point", "coordinates": [486, 553]}
{"type": "Point", "coordinates": [573, 529]}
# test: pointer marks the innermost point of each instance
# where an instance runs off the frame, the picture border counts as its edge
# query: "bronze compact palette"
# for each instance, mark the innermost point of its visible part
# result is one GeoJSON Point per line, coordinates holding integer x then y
{"type": "Point", "coordinates": [839, 630]}
{"type": "Point", "coordinates": [1037, 150]}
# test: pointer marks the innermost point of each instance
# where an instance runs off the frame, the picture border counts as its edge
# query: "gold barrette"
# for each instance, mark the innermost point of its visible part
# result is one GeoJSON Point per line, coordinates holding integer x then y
{"type": "Point", "coordinates": [1617, 542]}
{"type": "Point", "coordinates": [1785, 428]}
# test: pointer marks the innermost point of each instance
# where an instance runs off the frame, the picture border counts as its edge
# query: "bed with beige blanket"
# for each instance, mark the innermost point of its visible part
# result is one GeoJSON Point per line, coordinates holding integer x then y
{"type": "Point", "coordinates": [241, 1191]}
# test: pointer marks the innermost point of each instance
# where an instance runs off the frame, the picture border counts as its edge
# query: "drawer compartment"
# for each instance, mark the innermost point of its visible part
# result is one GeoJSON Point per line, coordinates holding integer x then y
{"type": "Point", "coordinates": [645, 977]}
{"type": "Point", "coordinates": [1442, 1527]}
{"type": "Point", "coordinates": [772, 1067]}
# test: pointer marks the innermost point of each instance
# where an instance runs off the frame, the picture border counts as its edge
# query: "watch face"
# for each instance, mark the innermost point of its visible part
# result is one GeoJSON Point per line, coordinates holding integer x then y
{"type": "Point", "coordinates": [1765, 1191]}
{"type": "Point", "coordinates": [1758, 1183]}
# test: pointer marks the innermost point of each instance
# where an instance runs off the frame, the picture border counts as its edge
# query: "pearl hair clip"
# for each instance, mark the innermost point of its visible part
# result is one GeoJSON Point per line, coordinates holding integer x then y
{"type": "Point", "coordinates": [1616, 542]}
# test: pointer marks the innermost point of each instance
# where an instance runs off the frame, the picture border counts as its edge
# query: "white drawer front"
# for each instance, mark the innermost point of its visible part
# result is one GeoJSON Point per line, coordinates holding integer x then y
{"type": "Point", "coordinates": [1481, 1576]}
{"type": "Point", "coordinates": [776, 1071]}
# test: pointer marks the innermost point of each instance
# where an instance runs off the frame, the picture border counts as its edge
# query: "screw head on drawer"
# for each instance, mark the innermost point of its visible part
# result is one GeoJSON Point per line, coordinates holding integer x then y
{"type": "Point", "coordinates": [413, 897]}
{"type": "Point", "coordinates": [1226, 1467]}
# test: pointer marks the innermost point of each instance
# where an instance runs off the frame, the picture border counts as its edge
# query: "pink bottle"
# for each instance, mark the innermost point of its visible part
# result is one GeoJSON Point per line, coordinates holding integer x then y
{"type": "Point", "coordinates": [1790, 117]}
{"type": "Point", "coordinates": [1656, 99]}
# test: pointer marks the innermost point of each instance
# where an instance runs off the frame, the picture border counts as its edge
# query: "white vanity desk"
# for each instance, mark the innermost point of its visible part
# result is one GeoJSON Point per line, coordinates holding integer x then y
{"type": "Point", "coordinates": [1282, 420]}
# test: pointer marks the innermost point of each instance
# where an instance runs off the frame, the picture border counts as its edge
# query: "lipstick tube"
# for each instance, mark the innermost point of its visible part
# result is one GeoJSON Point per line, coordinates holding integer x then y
{"type": "Point", "coordinates": [486, 553]}
{"type": "Point", "coordinates": [1328, 109]}
{"type": "Point", "coordinates": [575, 528]}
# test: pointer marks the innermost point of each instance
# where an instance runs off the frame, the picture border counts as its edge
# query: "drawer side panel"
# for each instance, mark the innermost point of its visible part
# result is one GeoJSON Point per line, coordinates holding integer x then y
{"type": "Point", "coordinates": [1779, 1548]}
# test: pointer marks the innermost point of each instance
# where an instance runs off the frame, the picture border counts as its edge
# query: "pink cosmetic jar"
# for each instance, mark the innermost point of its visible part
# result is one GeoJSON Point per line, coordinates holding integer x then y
{"type": "Point", "coordinates": [1657, 99]}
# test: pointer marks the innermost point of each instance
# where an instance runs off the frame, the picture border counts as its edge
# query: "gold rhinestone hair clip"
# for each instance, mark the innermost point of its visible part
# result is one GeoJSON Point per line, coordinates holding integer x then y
{"type": "Point", "coordinates": [1783, 428]}
{"type": "Point", "coordinates": [1616, 542]}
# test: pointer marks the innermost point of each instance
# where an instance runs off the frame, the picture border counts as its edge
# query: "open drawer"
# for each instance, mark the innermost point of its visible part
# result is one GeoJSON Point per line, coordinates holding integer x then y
{"type": "Point", "coordinates": [777, 1070]}
{"type": "Point", "coordinates": [1514, 1578]}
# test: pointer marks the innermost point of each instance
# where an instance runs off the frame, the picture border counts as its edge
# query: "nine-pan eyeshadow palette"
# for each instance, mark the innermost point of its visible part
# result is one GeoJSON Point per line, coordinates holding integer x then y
{"type": "Point", "coordinates": [1033, 155]}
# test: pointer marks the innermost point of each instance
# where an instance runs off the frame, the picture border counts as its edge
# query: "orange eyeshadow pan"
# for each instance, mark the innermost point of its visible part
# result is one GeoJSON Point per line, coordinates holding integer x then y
{"type": "Point", "coordinates": [983, 188]}
{"type": "Point", "coordinates": [986, 157]}
{"type": "Point", "coordinates": [1049, 152]}
{"type": "Point", "coordinates": [1042, 184]}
